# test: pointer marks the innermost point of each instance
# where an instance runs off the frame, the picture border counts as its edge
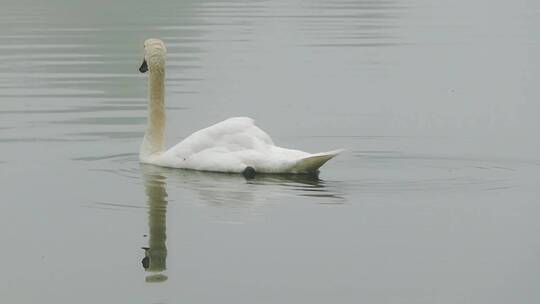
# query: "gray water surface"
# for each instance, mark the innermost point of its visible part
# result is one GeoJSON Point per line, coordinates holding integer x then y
{"type": "Point", "coordinates": [435, 200]}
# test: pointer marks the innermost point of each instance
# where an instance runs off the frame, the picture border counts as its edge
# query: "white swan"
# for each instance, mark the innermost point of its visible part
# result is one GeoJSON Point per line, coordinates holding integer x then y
{"type": "Point", "coordinates": [234, 145]}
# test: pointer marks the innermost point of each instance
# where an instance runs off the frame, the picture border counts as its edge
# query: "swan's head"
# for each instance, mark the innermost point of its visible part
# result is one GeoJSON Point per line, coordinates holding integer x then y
{"type": "Point", "coordinates": [154, 55]}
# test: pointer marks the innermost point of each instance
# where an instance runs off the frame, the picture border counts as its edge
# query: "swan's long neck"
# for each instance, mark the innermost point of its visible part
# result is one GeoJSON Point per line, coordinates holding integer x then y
{"type": "Point", "coordinates": [154, 138]}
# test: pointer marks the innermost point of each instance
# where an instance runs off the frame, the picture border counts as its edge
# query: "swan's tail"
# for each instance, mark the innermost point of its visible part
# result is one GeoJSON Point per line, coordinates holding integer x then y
{"type": "Point", "coordinates": [311, 164]}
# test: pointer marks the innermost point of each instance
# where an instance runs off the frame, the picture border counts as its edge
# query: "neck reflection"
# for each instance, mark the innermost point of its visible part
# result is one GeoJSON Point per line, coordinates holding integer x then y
{"type": "Point", "coordinates": [155, 255]}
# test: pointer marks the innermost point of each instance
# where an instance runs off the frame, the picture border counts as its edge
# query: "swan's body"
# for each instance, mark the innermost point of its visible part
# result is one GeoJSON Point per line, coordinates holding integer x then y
{"type": "Point", "coordinates": [229, 146]}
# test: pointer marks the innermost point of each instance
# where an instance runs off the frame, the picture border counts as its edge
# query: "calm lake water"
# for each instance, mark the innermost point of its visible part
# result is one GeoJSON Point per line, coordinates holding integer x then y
{"type": "Point", "coordinates": [435, 200]}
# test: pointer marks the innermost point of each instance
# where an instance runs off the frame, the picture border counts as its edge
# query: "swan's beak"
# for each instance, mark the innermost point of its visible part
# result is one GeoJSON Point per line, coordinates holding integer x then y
{"type": "Point", "coordinates": [144, 67]}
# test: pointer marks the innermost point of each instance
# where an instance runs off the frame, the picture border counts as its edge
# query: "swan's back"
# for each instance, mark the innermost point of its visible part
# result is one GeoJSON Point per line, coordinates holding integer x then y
{"type": "Point", "coordinates": [233, 134]}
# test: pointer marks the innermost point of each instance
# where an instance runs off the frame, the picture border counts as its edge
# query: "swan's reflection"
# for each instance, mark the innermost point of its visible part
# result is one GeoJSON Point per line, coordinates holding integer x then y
{"type": "Point", "coordinates": [155, 255]}
{"type": "Point", "coordinates": [234, 190]}
{"type": "Point", "coordinates": [216, 189]}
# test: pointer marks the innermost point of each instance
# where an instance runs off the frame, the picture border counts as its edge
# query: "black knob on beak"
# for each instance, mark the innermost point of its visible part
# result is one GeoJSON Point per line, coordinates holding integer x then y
{"type": "Point", "coordinates": [144, 67]}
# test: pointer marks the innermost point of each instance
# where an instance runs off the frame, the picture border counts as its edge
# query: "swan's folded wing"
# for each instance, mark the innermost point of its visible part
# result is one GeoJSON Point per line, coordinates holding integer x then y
{"type": "Point", "coordinates": [233, 134]}
{"type": "Point", "coordinates": [233, 144]}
